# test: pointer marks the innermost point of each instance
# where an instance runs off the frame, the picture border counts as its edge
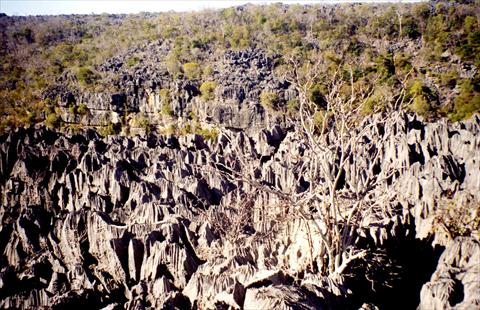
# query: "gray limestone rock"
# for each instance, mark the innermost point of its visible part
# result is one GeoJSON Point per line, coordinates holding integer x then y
{"type": "Point", "coordinates": [161, 221]}
{"type": "Point", "coordinates": [455, 283]}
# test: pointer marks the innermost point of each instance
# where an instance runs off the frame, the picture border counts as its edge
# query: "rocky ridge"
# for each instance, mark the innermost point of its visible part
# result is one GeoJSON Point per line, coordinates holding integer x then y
{"type": "Point", "coordinates": [136, 222]}
{"type": "Point", "coordinates": [135, 91]}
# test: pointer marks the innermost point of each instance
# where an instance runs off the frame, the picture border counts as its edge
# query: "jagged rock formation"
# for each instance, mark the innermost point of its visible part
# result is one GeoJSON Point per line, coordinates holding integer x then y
{"type": "Point", "coordinates": [241, 77]}
{"type": "Point", "coordinates": [156, 221]}
{"type": "Point", "coordinates": [455, 284]}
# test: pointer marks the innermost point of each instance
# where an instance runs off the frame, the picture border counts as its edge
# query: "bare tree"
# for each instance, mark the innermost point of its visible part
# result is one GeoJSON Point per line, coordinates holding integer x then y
{"type": "Point", "coordinates": [336, 204]}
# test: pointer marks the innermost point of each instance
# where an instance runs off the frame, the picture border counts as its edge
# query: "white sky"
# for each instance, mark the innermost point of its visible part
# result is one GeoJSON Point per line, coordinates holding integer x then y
{"type": "Point", "coordinates": [52, 7]}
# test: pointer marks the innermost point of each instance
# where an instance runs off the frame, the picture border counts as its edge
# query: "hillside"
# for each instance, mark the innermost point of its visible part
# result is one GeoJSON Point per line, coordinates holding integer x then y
{"type": "Point", "coordinates": [256, 157]}
{"type": "Point", "coordinates": [138, 70]}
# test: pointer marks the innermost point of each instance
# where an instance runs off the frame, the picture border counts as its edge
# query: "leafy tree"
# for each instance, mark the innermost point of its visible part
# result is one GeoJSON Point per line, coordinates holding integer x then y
{"type": "Point", "coordinates": [410, 28]}
{"type": "Point", "coordinates": [173, 65]}
{"type": "Point", "coordinates": [208, 90]}
{"type": "Point", "coordinates": [422, 98]}
{"type": "Point", "coordinates": [86, 76]}
{"type": "Point", "coordinates": [191, 70]}
{"type": "Point", "coordinates": [466, 103]}
{"type": "Point", "coordinates": [269, 100]}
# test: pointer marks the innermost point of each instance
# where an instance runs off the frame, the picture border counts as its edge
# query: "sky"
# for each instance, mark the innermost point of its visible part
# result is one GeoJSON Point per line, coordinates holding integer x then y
{"type": "Point", "coordinates": [53, 7]}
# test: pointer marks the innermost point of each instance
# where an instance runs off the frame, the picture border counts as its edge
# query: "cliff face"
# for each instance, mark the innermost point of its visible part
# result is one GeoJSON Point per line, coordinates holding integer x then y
{"type": "Point", "coordinates": [240, 77]}
{"type": "Point", "coordinates": [160, 221]}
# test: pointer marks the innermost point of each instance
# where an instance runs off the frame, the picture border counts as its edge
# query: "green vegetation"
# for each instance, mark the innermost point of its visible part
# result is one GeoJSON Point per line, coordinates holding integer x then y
{"type": "Point", "coordinates": [316, 96]}
{"type": "Point", "coordinates": [193, 127]}
{"type": "Point", "coordinates": [165, 100]}
{"type": "Point", "coordinates": [432, 40]}
{"type": "Point", "coordinates": [208, 90]}
{"type": "Point", "coordinates": [319, 119]}
{"type": "Point", "coordinates": [191, 70]}
{"type": "Point", "coordinates": [86, 76]}
{"type": "Point", "coordinates": [292, 106]}
{"type": "Point", "coordinates": [270, 101]}
{"type": "Point", "coordinates": [208, 133]}
{"type": "Point", "coordinates": [53, 121]}
{"type": "Point", "coordinates": [458, 218]}
{"type": "Point", "coordinates": [132, 61]}
{"type": "Point", "coordinates": [173, 65]}
{"type": "Point", "coordinates": [422, 98]}
{"type": "Point", "coordinates": [82, 109]}
{"type": "Point", "coordinates": [146, 125]}
{"type": "Point", "coordinates": [110, 129]}
{"type": "Point", "coordinates": [466, 103]}
{"type": "Point", "coordinates": [142, 121]}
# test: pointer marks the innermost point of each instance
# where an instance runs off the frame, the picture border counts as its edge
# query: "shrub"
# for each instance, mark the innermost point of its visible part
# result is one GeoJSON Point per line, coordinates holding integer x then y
{"type": "Point", "coordinates": [437, 30]}
{"type": "Point", "coordinates": [132, 61]}
{"type": "Point", "coordinates": [53, 121]}
{"type": "Point", "coordinates": [410, 28]}
{"type": "Point", "coordinates": [208, 90]}
{"type": "Point", "coordinates": [82, 109]}
{"type": "Point", "coordinates": [369, 106]}
{"type": "Point", "coordinates": [422, 98]}
{"type": "Point", "coordinates": [146, 125]}
{"type": "Point", "coordinates": [421, 106]}
{"type": "Point", "coordinates": [377, 101]}
{"type": "Point", "coordinates": [403, 63]}
{"type": "Point", "coordinates": [449, 79]}
{"type": "Point", "coordinates": [172, 64]}
{"type": "Point", "coordinates": [48, 108]}
{"type": "Point", "coordinates": [466, 103]}
{"type": "Point", "coordinates": [321, 119]}
{"type": "Point", "coordinates": [191, 70]}
{"type": "Point", "coordinates": [207, 71]}
{"type": "Point", "coordinates": [208, 133]}
{"type": "Point", "coordinates": [25, 33]}
{"type": "Point", "coordinates": [170, 130]}
{"type": "Point", "coordinates": [29, 119]}
{"type": "Point", "coordinates": [164, 95]}
{"type": "Point", "coordinates": [385, 66]}
{"type": "Point", "coordinates": [110, 129]}
{"type": "Point", "coordinates": [166, 109]}
{"type": "Point", "coordinates": [141, 121]}
{"type": "Point", "coordinates": [417, 88]}
{"type": "Point", "coordinates": [458, 217]}
{"type": "Point", "coordinates": [165, 100]}
{"type": "Point", "coordinates": [187, 129]}
{"type": "Point", "coordinates": [86, 76]}
{"type": "Point", "coordinates": [270, 101]}
{"type": "Point", "coordinates": [421, 11]}
{"type": "Point", "coordinates": [293, 105]}
{"type": "Point", "coordinates": [8, 122]}
{"type": "Point", "coordinates": [470, 24]}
